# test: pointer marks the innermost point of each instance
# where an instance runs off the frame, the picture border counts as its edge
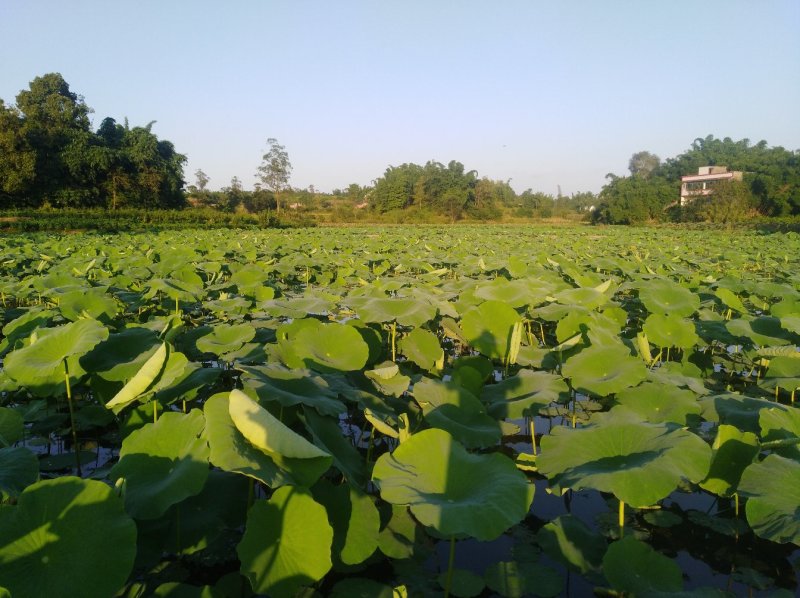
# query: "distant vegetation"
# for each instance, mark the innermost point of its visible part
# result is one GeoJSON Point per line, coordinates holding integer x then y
{"type": "Point", "coordinates": [50, 158]}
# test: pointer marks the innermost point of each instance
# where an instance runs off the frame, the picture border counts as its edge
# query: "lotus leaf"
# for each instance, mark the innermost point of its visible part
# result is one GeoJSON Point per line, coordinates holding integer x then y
{"type": "Point", "coordinates": [401, 535]}
{"type": "Point", "coordinates": [463, 583]}
{"type": "Point", "coordinates": [142, 381]}
{"type": "Point", "coordinates": [327, 434]}
{"type": "Point", "coordinates": [781, 424]}
{"type": "Point", "coordinates": [670, 331]}
{"type": "Point", "coordinates": [290, 451]}
{"type": "Point", "coordinates": [362, 587]}
{"type": "Point", "coordinates": [286, 543]}
{"type": "Point", "coordinates": [404, 311]}
{"type": "Point", "coordinates": [354, 518]}
{"type": "Point", "coordinates": [224, 339]}
{"type": "Point", "coordinates": [452, 408]}
{"type": "Point", "coordinates": [388, 380]}
{"type": "Point", "coordinates": [730, 299]}
{"type": "Point", "coordinates": [19, 468]}
{"type": "Point", "coordinates": [639, 463]}
{"type": "Point", "coordinates": [585, 297]}
{"type": "Point", "coordinates": [229, 450]}
{"type": "Point", "coordinates": [66, 537]}
{"type": "Point", "coordinates": [81, 303]}
{"type": "Point", "coordinates": [632, 566]}
{"type": "Point", "coordinates": [658, 402]}
{"type": "Point", "coordinates": [662, 296]}
{"type": "Point", "coordinates": [568, 540]}
{"type": "Point", "coordinates": [515, 293]}
{"type": "Point", "coordinates": [733, 450]}
{"type": "Point", "coordinates": [736, 410]}
{"type": "Point", "coordinates": [604, 370]}
{"type": "Point", "coordinates": [331, 348]}
{"type": "Point", "coordinates": [773, 505]}
{"type": "Point", "coordinates": [163, 463]}
{"type": "Point", "coordinates": [12, 426]}
{"type": "Point", "coordinates": [451, 490]}
{"type": "Point", "coordinates": [524, 394]}
{"type": "Point", "coordinates": [292, 387]}
{"type": "Point", "coordinates": [489, 327]}
{"type": "Point", "coordinates": [121, 355]}
{"type": "Point", "coordinates": [763, 331]}
{"type": "Point", "coordinates": [39, 366]}
{"type": "Point", "coordinates": [21, 328]}
{"type": "Point", "coordinates": [423, 348]}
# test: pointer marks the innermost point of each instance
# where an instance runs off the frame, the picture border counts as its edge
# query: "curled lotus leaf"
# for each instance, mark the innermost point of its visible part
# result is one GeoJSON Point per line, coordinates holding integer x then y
{"type": "Point", "coordinates": [292, 387]}
{"type": "Point", "coordinates": [640, 463]}
{"type": "Point", "coordinates": [330, 347]}
{"type": "Point", "coordinates": [489, 328]}
{"type": "Point", "coordinates": [524, 394]}
{"type": "Point", "coordinates": [119, 357]}
{"type": "Point", "coordinates": [451, 490]}
{"type": "Point", "coordinates": [734, 450]}
{"type": "Point", "coordinates": [423, 348]}
{"type": "Point", "coordinates": [226, 338]}
{"type": "Point", "coordinates": [79, 304]}
{"type": "Point", "coordinates": [405, 311]}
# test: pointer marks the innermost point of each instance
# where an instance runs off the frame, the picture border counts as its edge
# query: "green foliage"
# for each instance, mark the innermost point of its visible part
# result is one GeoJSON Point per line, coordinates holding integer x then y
{"type": "Point", "coordinates": [51, 157]}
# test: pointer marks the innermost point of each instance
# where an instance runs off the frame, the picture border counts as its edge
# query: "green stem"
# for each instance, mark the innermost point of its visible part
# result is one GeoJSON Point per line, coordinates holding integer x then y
{"type": "Point", "coordinates": [155, 411]}
{"type": "Point", "coordinates": [782, 443]}
{"type": "Point", "coordinates": [621, 519]}
{"type": "Point", "coordinates": [394, 339]}
{"type": "Point", "coordinates": [450, 562]}
{"type": "Point", "coordinates": [533, 435]}
{"type": "Point", "coordinates": [72, 420]}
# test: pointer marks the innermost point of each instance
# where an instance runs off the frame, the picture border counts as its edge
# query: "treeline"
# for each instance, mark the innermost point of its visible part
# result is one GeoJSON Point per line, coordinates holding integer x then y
{"type": "Point", "coordinates": [50, 157]}
{"type": "Point", "coordinates": [770, 185]}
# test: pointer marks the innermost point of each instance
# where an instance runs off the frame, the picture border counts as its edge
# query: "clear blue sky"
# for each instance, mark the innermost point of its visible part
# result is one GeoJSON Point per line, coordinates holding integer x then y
{"type": "Point", "coordinates": [544, 93]}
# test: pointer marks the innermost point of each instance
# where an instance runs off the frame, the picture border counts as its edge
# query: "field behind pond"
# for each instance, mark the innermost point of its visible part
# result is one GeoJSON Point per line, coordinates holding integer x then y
{"type": "Point", "coordinates": [472, 411]}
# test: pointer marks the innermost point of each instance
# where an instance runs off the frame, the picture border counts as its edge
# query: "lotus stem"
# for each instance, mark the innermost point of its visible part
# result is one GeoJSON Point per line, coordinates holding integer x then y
{"type": "Point", "coordinates": [450, 562]}
{"type": "Point", "coordinates": [621, 518]}
{"type": "Point", "coordinates": [736, 504]}
{"type": "Point", "coordinates": [72, 419]}
{"type": "Point", "coordinates": [792, 397]}
{"type": "Point", "coordinates": [155, 411]}
{"type": "Point", "coordinates": [777, 389]}
{"type": "Point", "coordinates": [782, 443]}
{"type": "Point", "coordinates": [533, 435]}
{"type": "Point", "coordinates": [394, 338]}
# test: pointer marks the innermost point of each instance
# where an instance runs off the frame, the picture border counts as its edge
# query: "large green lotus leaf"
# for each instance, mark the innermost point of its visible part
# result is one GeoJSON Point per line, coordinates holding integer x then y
{"type": "Point", "coordinates": [604, 370]}
{"type": "Point", "coordinates": [512, 579]}
{"type": "Point", "coordinates": [66, 537]}
{"type": "Point", "coordinates": [737, 410]}
{"type": "Point", "coordinates": [451, 490]}
{"type": "Point", "coordinates": [292, 387]}
{"type": "Point", "coordinates": [452, 408]}
{"type": "Point", "coordinates": [193, 380]}
{"type": "Point", "coordinates": [286, 543]}
{"type": "Point", "coordinates": [404, 311]}
{"type": "Point", "coordinates": [632, 566]}
{"type": "Point", "coordinates": [734, 451]}
{"type": "Point", "coordinates": [121, 355]}
{"type": "Point", "coordinates": [387, 379]}
{"type": "Point", "coordinates": [773, 505]}
{"type": "Point", "coordinates": [585, 297]}
{"type": "Point", "coordinates": [423, 348]}
{"type": "Point", "coordinates": [781, 424]}
{"type": "Point", "coordinates": [12, 426]}
{"type": "Point", "coordinates": [232, 452]}
{"type": "Point", "coordinates": [174, 288]}
{"type": "Point", "coordinates": [568, 540]}
{"type": "Point", "coordinates": [354, 518]}
{"type": "Point", "coordinates": [662, 296]}
{"type": "Point", "coordinates": [327, 434]}
{"type": "Point", "coordinates": [658, 402]}
{"type": "Point", "coordinates": [163, 463]}
{"type": "Point", "coordinates": [516, 293]}
{"type": "Point", "coordinates": [84, 303]}
{"type": "Point", "coordinates": [639, 463]}
{"type": "Point", "coordinates": [331, 348]}
{"type": "Point", "coordinates": [488, 328]}
{"type": "Point", "coordinates": [524, 394]}
{"type": "Point", "coordinates": [670, 331]}
{"type": "Point", "coordinates": [21, 328]}
{"type": "Point", "coordinates": [34, 364]}
{"type": "Point", "coordinates": [304, 461]}
{"type": "Point", "coordinates": [225, 338]}
{"type": "Point", "coordinates": [764, 331]}
{"type": "Point", "coordinates": [249, 276]}
{"type": "Point", "coordinates": [19, 468]}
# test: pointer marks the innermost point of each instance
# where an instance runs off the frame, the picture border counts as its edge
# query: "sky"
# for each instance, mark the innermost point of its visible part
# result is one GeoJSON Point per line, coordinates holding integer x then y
{"type": "Point", "coordinates": [549, 95]}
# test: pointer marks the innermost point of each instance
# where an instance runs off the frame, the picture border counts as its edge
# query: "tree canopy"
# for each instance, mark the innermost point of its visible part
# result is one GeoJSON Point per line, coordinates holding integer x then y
{"type": "Point", "coordinates": [50, 156]}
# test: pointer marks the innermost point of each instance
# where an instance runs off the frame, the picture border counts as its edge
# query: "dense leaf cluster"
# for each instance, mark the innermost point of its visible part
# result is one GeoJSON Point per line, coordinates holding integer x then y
{"type": "Point", "coordinates": [49, 155]}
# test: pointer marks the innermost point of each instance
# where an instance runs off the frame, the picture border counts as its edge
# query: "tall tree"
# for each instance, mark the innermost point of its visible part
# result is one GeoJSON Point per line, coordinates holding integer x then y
{"type": "Point", "coordinates": [275, 170]}
{"type": "Point", "coordinates": [17, 157]}
{"type": "Point", "coordinates": [643, 164]}
{"type": "Point", "coordinates": [202, 179]}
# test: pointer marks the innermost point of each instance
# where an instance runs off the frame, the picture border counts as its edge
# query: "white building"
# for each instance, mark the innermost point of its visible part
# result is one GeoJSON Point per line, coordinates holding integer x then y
{"type": "Point", "coordinates": [703, 182]}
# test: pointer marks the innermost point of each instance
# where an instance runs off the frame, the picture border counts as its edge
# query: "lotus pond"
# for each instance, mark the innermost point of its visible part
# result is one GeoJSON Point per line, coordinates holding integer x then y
{"type": "Point", "coordinates": [463, 411]}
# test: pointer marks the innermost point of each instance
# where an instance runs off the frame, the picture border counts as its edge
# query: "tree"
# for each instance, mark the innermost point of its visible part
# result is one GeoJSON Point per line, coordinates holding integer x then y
{"type": "Point", "coordinates": [202, 180]}
{"type": "Point", "coordinates": [643, 164]}
{"type": "Point", "coordinates": [17, 157]}
{"type": "Point", "coordinates": [731, 201]}
{"type": "Point", "coordinates": [275, 170]}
